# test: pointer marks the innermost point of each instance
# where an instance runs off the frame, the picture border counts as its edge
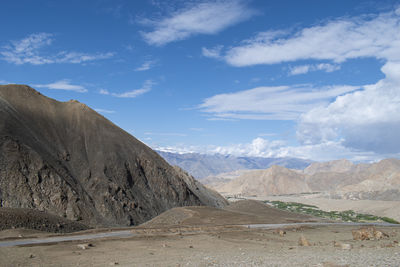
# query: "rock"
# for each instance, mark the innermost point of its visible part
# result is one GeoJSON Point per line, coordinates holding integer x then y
{"type": "Point", "coordinates": [380, 235]}
{"type": "Point", "coordinates": [346, 246]}
{"type": "Point", "coordinates": [303, 241]}
{"type": "Point", "coordinates": [31, 256]}
{"type": "Point", "coordinates": [190, 246]}
{"type": "Point", "coordinates": [368, 233]}
{"type": "Point", "coordinates": [280, 232]}
{"type": "Point", "coordinates": [114, 263]}
{"type": "Point", "coordinates": [343, 246]}
{"type": "Point", "coordinates": [85, 246]}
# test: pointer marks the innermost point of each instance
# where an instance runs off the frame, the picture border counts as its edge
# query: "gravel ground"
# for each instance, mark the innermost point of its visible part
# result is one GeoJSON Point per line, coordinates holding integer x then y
{"type": "Point", "coordinates": [229, 247]}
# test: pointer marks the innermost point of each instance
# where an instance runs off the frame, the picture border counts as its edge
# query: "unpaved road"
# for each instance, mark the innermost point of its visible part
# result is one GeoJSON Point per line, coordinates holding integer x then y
{"type": "Point", "coordinates": [56, 239]}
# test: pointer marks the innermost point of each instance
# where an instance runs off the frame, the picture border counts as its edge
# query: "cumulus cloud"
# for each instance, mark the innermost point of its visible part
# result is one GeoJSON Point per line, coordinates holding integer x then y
{"type": "Point", "coordinates": [261, 147]}
{"type": "Point", "coordinates": [271, 103]}
{"type": "Point", "coordinates": [147, 86]}
{"type": "Point", "coordinates": [202, 18]}
{"type": "Point", "coordinates": [338, 40]}
{"type": "Point", "coordinates": [303, 69]}
{"type": "Point", "coordinates": [356, 122]}
{"type": "Point", "coordinates": [367, 119]}
{"type": "Point", "coordinates": [29, 50]}
{"type": "Point", "coordinates": [63, 85]}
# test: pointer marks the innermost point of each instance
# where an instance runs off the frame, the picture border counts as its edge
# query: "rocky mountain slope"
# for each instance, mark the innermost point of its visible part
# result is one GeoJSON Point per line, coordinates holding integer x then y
{"type": "Point", "coordinates": [204, 165]}
{"type": "Point", "coordinates": [66, 159]}
{"type": "Point", "coordinates": [272, 181]}
{"type": "Point", "coordinates": [337, 179]}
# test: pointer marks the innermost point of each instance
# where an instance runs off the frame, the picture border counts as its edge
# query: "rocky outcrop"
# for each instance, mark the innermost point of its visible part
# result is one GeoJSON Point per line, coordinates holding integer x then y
{"type": "Point", "coordinates": [66, 159]}
{"type": "Point", "coordinates": [368, 233]}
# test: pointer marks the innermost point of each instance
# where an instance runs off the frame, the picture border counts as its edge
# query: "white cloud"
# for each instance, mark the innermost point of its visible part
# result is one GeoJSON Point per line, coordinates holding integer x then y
{"type": "Point", "coordinates": [30, 51]}
{"type": "Point", "coordinates": [76, 58]}
{"type": "Point", "coordinates": [146, 65]}
{"type": "Point", "coordinates": [303, 69]}
{"type": "Point", "coordinates": [147, 86]}
{"type": "Point", "coordinates": [63, 85]}
{"type": "Point", "coordinates": [271, 103]}
{"type": "Point", "coordinates": [106, 111]}
{"type": "Point", "coordinates": [104, 92]}
{"type": "Point", "coordinates": [260, 147]}
{"type": "Point", "coordinates": [356, 122]}
{"type": "Point", "coordinates": [367, 120]}
{"type": "Point", "coordinates": [202, 18]}
{"type": "Point", "coordinates": [326, 67]}
{"type": "Point", "coordinates": [214, 52]}
{"type": "Point", "coordinates": [338, 40]}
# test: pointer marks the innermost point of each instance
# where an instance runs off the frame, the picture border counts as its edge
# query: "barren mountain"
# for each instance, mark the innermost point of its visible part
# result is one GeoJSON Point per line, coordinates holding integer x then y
{"type": "Point", "coordinates": [275, 180]}
{"type": "Point", "coordinates": [381, 181]}
{"type": "Point", "coordinates": [340, 179]}
{"type": "Point", "coordinates": [66, 159]}
{"type": "Point", "coordinates": [338, 166]}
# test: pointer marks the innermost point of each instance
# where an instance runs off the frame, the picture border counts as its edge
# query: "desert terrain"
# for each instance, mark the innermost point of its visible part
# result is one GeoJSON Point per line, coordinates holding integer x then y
{"type": "Point", "coordinates": [205, 236]}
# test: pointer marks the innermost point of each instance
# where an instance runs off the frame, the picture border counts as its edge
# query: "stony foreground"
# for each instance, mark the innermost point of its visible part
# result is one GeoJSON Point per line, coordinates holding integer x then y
{"type": "Point", "coordinates": [217, 246]}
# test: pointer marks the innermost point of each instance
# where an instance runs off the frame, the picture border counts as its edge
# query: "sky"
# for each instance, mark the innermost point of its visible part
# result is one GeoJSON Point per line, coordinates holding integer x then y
{"type": "Point", "coordinates": [311, 79]}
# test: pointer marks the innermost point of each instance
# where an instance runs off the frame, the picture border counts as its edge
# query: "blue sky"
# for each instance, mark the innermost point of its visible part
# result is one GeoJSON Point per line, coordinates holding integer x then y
{"type": "Point", "coordinates": [310, 79]}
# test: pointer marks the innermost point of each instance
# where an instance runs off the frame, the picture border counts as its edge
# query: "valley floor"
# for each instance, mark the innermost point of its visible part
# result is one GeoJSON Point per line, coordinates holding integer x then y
{"type": "Point", "coordinates": [215, 246]}
{"type": "Point", "coordinates": [382, 208]}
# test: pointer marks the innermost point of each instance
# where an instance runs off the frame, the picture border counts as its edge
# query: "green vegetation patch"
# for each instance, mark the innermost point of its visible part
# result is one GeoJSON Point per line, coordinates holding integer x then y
{"type": "Point", "coordinates": [346, 216]}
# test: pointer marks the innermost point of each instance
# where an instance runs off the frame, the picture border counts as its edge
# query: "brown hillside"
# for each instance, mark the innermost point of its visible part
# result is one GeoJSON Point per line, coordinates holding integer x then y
{"type": "Point", "coordinates": [64, 158]}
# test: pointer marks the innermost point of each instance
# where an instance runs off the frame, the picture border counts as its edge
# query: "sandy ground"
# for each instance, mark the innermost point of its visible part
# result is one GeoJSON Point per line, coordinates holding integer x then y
{"type": "Point", "coordinates": [389, 209]}
{"type": "Point", "coordinates": [216, 247]}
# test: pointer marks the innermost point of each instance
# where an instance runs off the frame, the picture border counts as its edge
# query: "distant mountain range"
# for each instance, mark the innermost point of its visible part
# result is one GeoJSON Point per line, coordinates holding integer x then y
{"type": "Point", "coordinates": [336, 179]}
{"type": "Point", "coordinates": [204, 165]}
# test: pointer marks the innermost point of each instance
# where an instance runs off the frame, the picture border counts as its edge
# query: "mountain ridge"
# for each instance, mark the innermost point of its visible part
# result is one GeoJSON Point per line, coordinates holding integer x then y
{"type": "Point", "coordinates": [205, 165]}
{"type": "Point", "coordinates": [65, 158]}
{"type": "Point", "coordinates": [337, 179]}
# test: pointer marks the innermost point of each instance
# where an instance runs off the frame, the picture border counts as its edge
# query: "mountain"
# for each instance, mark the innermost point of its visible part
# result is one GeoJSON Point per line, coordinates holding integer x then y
{"type": "Point", "coordinates": [68, 160]}
{"type": "Point", "coordinates": [339, 166]}
{"type": "Point", "coordinates": [204, 165]}
{"type": "Point", "coordinates": [338, 179]}
{"type": "Point", "coordinates": [275, 180]}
